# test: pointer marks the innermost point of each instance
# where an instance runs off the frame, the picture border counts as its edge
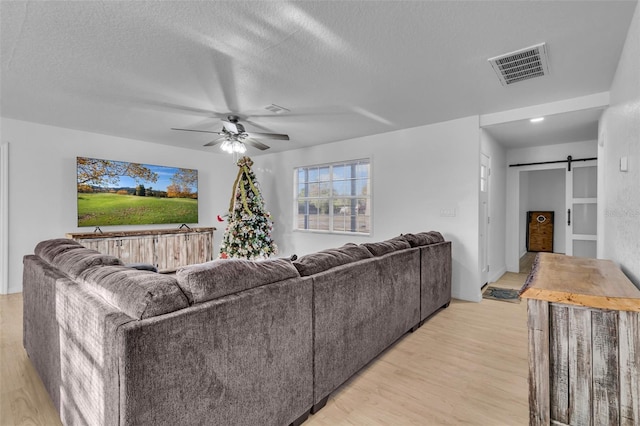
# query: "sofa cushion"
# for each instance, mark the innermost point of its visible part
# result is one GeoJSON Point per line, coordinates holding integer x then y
{"type": "Point", "coordinates": [49, 249]}
{"type": "Point", "coordinates": [220, 277]}
{"type": "Point", "coordinates": [424, 238]}
{"type": "Point", "coordinates": [139, 294]}
{"type": "Point", "coordinates": [326, 259]}
{"type": "Point", "coordinates": [71, 257]}
{"type": "Point", "coordinates": [388, 246]}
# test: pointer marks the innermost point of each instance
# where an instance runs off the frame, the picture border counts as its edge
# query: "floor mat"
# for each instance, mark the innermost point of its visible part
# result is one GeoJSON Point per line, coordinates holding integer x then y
{"type": "Point", "coordinates": [502, 294]}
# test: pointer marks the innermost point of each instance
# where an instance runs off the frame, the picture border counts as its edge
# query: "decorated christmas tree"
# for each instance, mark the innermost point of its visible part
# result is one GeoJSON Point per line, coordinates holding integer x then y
{"type": "Point", "coordinates": [249, 226]}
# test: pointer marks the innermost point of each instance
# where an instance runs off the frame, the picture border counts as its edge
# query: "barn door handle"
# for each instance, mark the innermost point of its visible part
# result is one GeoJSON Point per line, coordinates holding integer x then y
{"type": "Point", "coordinates": [569, 217]}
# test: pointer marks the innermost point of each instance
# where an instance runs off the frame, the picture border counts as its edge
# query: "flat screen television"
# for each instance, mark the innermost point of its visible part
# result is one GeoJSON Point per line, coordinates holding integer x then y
{"type": "Point", "coordinates": [122, 193]}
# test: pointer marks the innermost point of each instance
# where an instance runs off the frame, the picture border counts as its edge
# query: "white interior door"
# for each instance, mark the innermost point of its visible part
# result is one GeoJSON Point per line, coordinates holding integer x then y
{"type": "Point", "coordinates": [582, 203]}
{"type": "Point", "coordinates": [485, 171]}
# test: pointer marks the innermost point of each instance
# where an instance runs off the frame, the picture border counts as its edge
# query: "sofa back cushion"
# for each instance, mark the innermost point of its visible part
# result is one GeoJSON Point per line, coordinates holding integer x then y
{"type": "Point", "coordinates": [139, 294]}
{"type": "Point", "coordinates": [326, 259]}
{"type": "Point", "coordinates": [424, 238]}
{"type": "Point", "coordinates": [220, 277]}
{"type": "Point", "coordinates": [388, 246]}
{"type": "Point", "coordinates": [71, 257]}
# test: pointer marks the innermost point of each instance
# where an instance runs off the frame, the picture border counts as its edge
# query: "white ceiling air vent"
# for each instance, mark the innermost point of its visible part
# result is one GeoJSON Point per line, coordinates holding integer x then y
{"type": "Point", "coordinates": [520, 65]}
{"type": "Point", "coordinates": [276, 109]}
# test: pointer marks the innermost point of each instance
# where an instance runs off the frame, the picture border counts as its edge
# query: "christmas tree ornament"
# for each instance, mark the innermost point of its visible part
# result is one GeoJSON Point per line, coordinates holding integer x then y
{"type": "Point", "coordinates": [249, 225]}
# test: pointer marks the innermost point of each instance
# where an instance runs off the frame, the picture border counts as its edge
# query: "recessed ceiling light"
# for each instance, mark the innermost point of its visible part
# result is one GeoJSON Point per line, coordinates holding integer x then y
{"type": "Point", "coordinates": [537, 119]}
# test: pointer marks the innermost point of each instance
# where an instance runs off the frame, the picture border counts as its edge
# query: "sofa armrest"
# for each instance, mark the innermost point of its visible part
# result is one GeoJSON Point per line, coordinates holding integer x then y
{"type": "Point", "coordinates": [40, 336]}
{"type": "Point", "coordinates": [435, 278]}
{"type": "Point", "coordinates": [89, 388]}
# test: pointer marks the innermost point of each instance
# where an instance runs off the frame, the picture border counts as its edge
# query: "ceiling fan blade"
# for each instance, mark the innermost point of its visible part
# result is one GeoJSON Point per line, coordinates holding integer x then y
{"type": "Point", "coordinates": [302, 112]}
{"type": "Point", "coordinates": [259, 126]}
{"type": "Point", "coordinates": [215, 141]}
{"type": "Point", "coordinates": [226, 70]}
{"type": "Point", "coordinates": [268, 136]}
{"type": "Point", "coordinates": [163, 106]}
{"type": "Point", "coordinates": [193, 130]}
{"type": "Point", "coordinates": [231, 127]}
{"type": "Point", "coordinates": [256, 144]}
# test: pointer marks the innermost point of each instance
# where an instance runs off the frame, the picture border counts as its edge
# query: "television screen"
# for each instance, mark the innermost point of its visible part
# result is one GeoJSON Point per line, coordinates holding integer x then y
{"type": "Point", "coordinates": [122, 193]}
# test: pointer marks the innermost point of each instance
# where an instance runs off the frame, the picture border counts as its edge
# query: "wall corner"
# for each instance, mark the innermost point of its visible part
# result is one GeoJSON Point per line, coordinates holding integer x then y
{"type": "Point", "coordinates": [4, 217]}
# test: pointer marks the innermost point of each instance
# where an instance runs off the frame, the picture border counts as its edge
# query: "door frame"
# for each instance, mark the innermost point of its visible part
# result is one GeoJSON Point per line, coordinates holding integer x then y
{"type": "Point", "coordinates": [512, 250]}
{"type": "Point", "coordinates": [484, 219]}
{"type": "Point", "coordinates": [4, 217]}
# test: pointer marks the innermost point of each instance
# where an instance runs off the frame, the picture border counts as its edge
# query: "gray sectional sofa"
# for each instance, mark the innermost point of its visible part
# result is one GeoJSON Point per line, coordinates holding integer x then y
{"type": "Point", "coordinates": [228, 342]}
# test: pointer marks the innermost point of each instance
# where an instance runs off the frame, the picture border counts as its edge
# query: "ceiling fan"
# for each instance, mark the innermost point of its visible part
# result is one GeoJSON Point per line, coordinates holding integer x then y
{"type": "Point", "coordinates": [233, 136]}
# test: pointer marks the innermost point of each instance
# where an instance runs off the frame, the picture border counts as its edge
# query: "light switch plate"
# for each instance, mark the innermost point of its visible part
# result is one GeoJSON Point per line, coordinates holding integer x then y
{"type": "Point", "coordinates": [624, 164]}
{"type": "Point", "coordinates": [448, 212]}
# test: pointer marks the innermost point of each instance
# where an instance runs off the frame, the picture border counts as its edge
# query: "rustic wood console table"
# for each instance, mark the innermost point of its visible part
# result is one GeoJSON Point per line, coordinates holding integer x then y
{"type": "Point", "coordinates": [584, 343]}
{"type": "Point", "coordinates": [166, 249]}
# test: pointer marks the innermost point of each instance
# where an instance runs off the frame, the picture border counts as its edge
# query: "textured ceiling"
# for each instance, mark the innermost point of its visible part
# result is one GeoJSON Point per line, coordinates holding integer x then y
{"type": "Point", "coordinates": [343, 69]}
{"type": "Point", "coordinates": [574, 126]}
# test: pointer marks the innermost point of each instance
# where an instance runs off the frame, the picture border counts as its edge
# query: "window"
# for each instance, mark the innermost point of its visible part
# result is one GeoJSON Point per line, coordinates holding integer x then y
{"type": "Point", "coordinates": [484, 178]}
{"type": "Point", "coordinates": [334, 197]}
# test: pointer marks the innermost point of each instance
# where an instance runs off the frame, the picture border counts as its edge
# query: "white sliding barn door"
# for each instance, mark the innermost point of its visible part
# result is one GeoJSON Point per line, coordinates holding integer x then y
{"type": "Point", "coordinates": [582, 203]}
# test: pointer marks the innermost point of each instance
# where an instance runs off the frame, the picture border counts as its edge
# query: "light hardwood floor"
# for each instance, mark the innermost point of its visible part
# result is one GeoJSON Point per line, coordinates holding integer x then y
{"type": "Point", "coordinates": [466, 365]}
{"type": "Point", "coordinates": [526, 262]}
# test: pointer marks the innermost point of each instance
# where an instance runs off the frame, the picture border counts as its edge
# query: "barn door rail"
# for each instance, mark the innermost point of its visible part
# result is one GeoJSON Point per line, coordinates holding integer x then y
{"type": "Point", "coordinates": [569, 160]}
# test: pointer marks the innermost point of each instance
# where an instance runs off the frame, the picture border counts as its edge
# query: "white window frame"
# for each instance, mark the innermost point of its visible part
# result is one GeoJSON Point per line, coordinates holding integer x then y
{"type": "Point", "coordinates": [332, 197]}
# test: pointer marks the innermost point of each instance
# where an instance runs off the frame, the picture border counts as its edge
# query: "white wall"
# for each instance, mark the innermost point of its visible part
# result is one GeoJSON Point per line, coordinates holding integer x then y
{"type": "Point", "coordinates": [42, 182]}
{"type": "Point", "coordinates": [497, 204]}
{"type": "Point", "coordinates": [546, 191]}
{"type": "Point", "coordinates": [619, 136]}
{"type": "Point", "coordinates": [415, 173]}
{"type": "Point", "coordinates": [514, 246]}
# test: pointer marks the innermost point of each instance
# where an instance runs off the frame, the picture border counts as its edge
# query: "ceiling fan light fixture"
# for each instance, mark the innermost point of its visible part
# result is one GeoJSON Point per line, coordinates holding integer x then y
{"type": "Point", "coordinates": [239, 147]}
{"type": "Point", "coordinates": [233, 146]}
{"type": "Point", "coordinates": [233, 136]}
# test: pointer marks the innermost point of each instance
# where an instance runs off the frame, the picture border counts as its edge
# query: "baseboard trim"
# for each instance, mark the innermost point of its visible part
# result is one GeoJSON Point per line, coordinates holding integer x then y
{"type": "Point", "coordinates": [496, 275]}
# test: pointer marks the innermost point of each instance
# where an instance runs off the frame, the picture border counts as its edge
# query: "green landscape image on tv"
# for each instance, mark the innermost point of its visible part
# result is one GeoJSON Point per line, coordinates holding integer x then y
{"type": "Point", "coordinates": [123, 193]}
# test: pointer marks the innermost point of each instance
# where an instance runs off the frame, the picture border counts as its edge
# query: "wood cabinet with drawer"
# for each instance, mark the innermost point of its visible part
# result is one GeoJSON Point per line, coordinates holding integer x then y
{"type": "Point", "coordinates": [540, 231]}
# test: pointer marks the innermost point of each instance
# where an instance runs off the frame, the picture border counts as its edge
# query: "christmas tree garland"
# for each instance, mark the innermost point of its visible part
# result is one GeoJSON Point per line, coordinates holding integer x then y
{"type": "Point", "coordinates": [244, 163]}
